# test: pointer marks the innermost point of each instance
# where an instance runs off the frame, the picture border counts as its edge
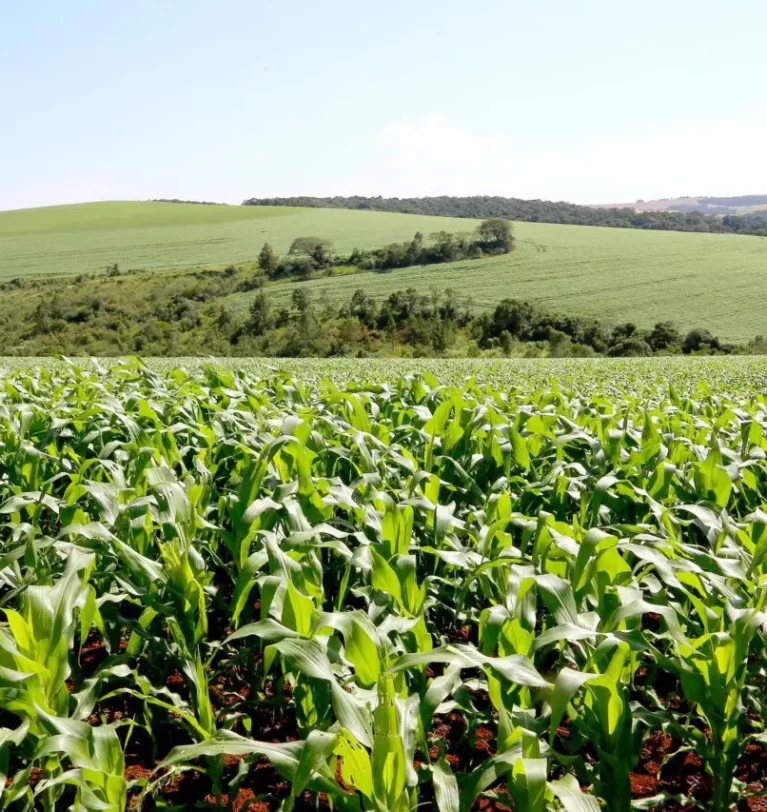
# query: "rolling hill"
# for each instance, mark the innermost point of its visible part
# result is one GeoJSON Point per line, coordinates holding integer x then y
{"type": "Point", "coordinates": [696, 280]}
{"type": "Point", "coordinates": [86, 238]}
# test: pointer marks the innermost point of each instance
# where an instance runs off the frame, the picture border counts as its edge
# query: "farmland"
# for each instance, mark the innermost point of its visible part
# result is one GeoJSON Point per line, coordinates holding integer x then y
{"type": "Point", "coordinates": [696, 280]}
{"type": "Point", "coordinates": [85, 238]}
{"type": "Point", "coordinates": [614, 275]}
{"type": "Point", "coordinates": [601, 376]}
{"type": "Point", "coordinates": [535, 586]}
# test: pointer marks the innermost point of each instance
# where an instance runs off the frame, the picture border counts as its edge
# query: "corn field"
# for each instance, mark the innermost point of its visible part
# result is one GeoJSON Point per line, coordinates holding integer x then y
{"type": "Point", "coordinates": [242, 590]}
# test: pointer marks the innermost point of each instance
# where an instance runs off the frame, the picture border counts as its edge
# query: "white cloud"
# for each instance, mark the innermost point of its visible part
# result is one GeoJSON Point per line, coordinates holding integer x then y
{"type": "Point", "coordinates": [432, 139]}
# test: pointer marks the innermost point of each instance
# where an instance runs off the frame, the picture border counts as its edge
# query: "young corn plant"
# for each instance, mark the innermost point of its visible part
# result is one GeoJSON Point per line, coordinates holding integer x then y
{"type": "Point", "coordinates": [35, 646]}
{"type": "Point", "coordinates": [96, 764]}
{"type": "Point", "coordinates": [603, 718]}
{"type": "Point", "coordinates": [713, 670]}
{"type": "Point", "coordinates": [35, 656]}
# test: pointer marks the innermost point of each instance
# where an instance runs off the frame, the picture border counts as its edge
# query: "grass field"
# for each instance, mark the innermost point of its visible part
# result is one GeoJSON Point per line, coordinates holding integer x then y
{"type": "Point", "coordinates": [65, 240]}
{"type": "Point", "coordinates": [696, 280]}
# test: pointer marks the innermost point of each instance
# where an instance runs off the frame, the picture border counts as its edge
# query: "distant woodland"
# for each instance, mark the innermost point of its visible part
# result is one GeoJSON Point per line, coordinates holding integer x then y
{"type": "Point", "coordinates": [536, 211]}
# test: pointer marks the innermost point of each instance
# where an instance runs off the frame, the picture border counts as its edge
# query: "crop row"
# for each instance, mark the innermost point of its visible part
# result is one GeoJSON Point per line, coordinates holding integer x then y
{"type": "Point", "coordinates": [220, 589]}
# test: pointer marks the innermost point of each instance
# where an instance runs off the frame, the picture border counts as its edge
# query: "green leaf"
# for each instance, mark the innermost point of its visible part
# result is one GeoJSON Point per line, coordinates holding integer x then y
{"type": "Point", "coordinates": [569, 794]}
{"type": "Point", "coordinates": [286, 758]}
{"type": "Point", "coordinates": [445, 787]}
{"type": "Point", "coordinates": [355, 766]}
{"type": "Point", "coordinates": [384, 578]}
{"type": "Point", "coordinates": [519, 450]}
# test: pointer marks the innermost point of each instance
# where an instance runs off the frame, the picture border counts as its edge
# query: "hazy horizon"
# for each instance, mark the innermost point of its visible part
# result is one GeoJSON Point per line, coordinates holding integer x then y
{"type": "Point", "coordinates": [597, 104]}
{"type": "Point", "coordinates": [239, 202]}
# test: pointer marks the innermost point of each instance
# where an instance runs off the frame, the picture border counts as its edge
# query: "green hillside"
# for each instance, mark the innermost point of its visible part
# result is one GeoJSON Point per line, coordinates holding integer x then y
{"type": "Point", "coordinates": [716, 281]}
{"type": "Point", "coordinates": [83, 238]}
{"type": "Point", "coordinates": [713, 281]}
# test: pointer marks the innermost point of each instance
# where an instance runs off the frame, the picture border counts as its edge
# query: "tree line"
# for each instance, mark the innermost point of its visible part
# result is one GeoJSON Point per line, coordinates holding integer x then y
{"type": "Point", "coordinates": [441, 323]}
{"type": "Point", "coordinates": [308, 256]}
{"type": "Point", "coordinates": [186, 202]}
{"type": "Point", "coordinates": [536, 211]}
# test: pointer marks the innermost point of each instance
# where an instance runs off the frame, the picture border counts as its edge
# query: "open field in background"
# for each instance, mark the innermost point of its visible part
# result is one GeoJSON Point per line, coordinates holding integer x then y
{"type": "Point", "coordinates": [696, 280]}
{"type": "Point", "coordinates": [715, 205]}
{"type": "Point", "coordinates": [65, 240]}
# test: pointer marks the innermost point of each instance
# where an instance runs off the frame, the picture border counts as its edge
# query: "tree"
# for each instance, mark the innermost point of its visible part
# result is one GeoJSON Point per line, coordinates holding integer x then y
{"type": "Point", "coordinates": [443, 335]}
{"type": "Point", "coordinates": [349, 333]}
{"type": "Point", "coordinates": [630, 347]}
{"type": "Point", "coordinates": [306, 335]}
{"type": "Point", "coordinates": [268, 261]}
{"type": "Point", "coordinates": [259, 315]}
{"type": "Point", "coordinates": [308, 245]}
{"type": "Point", "coordinates": [700, 341]}
{"type": "Point", "coordinates": [363, 307]}
{"type": "Point", "coordinates": [494, 236]}
{"type": "Point", "coordinates": [386, 321]}
{"type": "Point", "coordinates": [414, 252]}
{"type": "Point", "coordinates": [306, 255]}
{"type": "Point", "coordinates": [301, 301]}
{"type": "Point", "coordinates": [449, 308]}
{"type": "Point", "coordinates": [595, 336]}
{"type": "Point", "coordinates": [624, 330]}
{"type": "Point", "coordinates": [514, 316]}
{"type": "Point", "coordinates": [506, 342]}
{"type": "Point", "coordinates": [664, 336]}
{"type": "Point", "coordinates": [299, 265]}
{"type": "Point", "coordinates": [224, 318]}
{"type": "Point", "coordinates": [444, 248]}
{"type": "Point", "coordinates": [560, 345]}
{"type": "Point", "coordinates": [321, 255]}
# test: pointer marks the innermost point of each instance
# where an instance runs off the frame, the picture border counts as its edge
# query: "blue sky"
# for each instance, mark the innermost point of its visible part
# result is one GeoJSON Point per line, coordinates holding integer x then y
{"type": "Point", "coordinates": [596, 101]}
